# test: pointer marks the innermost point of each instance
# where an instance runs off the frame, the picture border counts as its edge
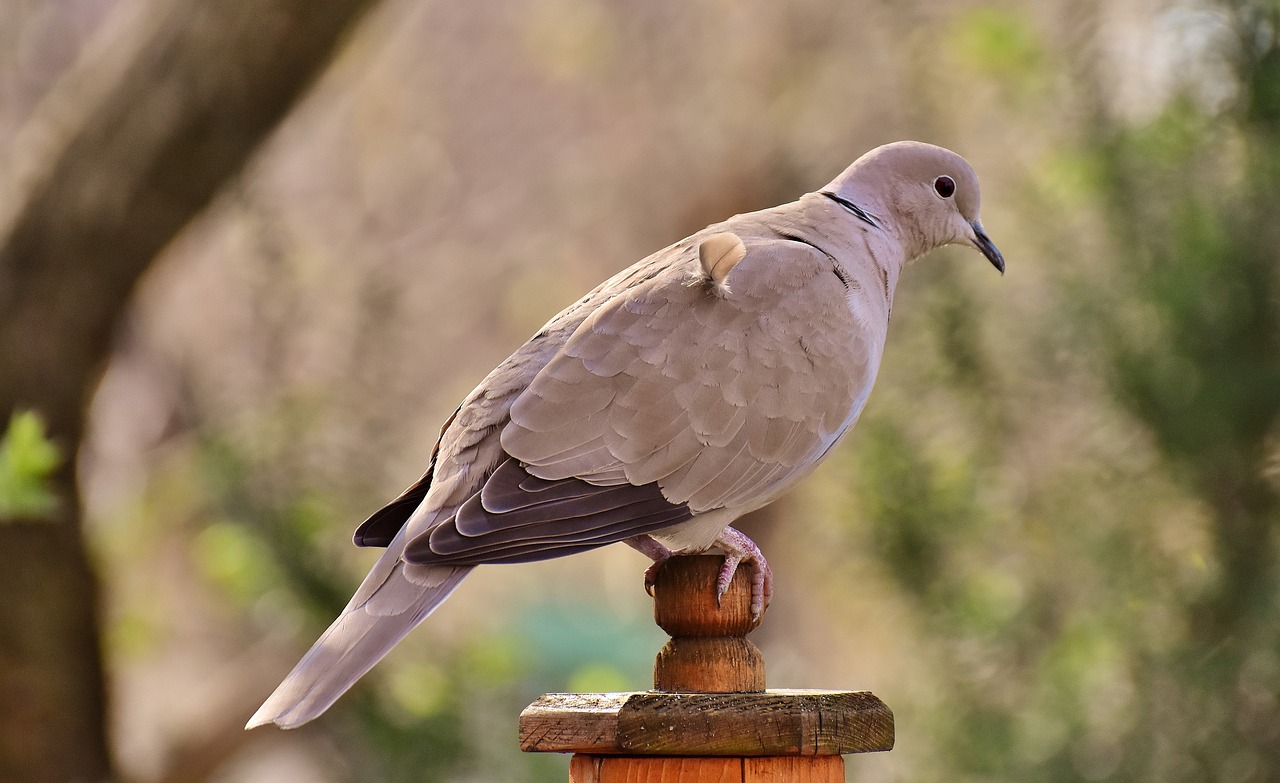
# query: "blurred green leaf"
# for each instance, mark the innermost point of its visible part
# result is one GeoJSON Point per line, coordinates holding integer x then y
{"type": "Point", "coordinates": [494, 658]}
{"type": "Point", "coordinates": [914, 504]}
{"type": "Point", "coordinates": [234, 560]}
{"type": "Point", "coordinates": [420, 689]}
{"type": "Point", "coordinates": [27, 461]}
{"type": "Point", "coordinates": [132, 635]}
{"type": "Point", "coordinates": [598, 677]}
{"type": "Point", "coordinates": [1001, 45]}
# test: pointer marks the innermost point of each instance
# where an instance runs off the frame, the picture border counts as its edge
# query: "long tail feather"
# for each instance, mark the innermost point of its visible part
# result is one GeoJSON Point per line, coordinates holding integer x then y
{"type": "Point", "coordinates": [393, 598]}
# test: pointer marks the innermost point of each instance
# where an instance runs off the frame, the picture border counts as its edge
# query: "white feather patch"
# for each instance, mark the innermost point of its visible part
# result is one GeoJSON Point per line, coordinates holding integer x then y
{"type": "Point", "coordinates": [719, 254]}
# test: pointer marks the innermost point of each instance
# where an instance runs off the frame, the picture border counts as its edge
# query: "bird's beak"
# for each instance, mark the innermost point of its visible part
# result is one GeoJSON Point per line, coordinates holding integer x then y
{"type": "Point", "coordinates": [986, 246]}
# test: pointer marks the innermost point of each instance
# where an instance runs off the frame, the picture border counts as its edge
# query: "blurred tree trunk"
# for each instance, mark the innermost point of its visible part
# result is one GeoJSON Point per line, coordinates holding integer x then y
{"type": "Point", "coordinates": [151, 146]}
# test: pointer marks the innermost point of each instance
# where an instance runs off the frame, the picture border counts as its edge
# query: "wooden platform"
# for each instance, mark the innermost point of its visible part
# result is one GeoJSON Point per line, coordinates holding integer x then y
{"type": "Point", "coordinates": [656, 769]}
{"type": "Point", "coordinates": [773, 723]}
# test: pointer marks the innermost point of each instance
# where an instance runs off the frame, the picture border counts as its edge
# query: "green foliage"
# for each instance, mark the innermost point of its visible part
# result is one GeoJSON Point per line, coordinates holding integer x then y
{"type": "Point", "coordinates": [1113, 612]}
{"type": "Point", "coordinates": [1201, 367]}
{"type": "Point", "coordinates": [232, 558]}
{"type": "Point", "coordinates": [27, 461]}
{"type": "Point", "coordinates": [1205, 277]}
{"type": "Point", "coordinates": [1000, 46]}
{"type": "Point", "coordinates": [999, 42]}
{"type": "Point", "coordinates": [914, 506]}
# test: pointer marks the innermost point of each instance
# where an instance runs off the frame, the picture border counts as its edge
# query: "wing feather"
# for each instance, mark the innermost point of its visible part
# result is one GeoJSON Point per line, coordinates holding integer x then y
{"type": "Point", "coordinates": [532, 518]}
{"type": "Point", "coordinates": [718, 398]}
{"type": "Point", "coordinates": [381, 527]}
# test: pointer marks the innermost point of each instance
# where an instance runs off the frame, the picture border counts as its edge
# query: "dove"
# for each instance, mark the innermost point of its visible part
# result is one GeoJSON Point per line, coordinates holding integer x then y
{"type": "Point", "coordinates": [687, 390]}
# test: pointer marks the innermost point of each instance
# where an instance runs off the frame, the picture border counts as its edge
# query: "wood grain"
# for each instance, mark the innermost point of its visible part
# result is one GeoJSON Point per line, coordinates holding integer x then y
{"type": "Point", "coordinates": [684, 599]}
{"type": "Point", "coordinates": [774, 723]}
{"type": "Point", "coordinates": [650, 769]}
{"type": "Point", "coordinates": [709, 665]}
{"type": "Point", "coordinates": [707, 652]}
{"type": "Point", "coordinates": [793, 769]}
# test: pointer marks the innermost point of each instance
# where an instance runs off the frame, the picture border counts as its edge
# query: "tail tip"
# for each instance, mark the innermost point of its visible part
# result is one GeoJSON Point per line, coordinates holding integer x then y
{"type": "Point", "coordinates": [262, 718]}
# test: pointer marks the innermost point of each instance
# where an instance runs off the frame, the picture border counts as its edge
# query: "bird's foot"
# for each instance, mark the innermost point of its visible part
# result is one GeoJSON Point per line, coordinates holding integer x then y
{"type": "Point", "coordinates": [740, 550]}
{"type": "Point", "coordinates": [656, 552]}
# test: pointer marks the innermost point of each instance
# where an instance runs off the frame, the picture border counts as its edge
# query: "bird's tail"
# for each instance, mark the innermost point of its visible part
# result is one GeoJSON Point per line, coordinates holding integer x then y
{"type": "Point", "coordinates": [393, 598]}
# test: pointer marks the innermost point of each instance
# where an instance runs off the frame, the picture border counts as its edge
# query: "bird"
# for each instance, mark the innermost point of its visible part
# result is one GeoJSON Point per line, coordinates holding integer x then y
{"type": "Point", "coordinates": [687, 390]}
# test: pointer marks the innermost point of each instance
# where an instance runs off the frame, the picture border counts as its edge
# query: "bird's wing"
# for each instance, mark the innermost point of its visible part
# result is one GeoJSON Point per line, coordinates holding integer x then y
{"type": "Point", "coordinates": [518, 518]}
{"type": "Point", "coordinates": [676, 396]}
{"type": "Point", "coordinates": [468, 450]}
{"type": "Point", "coordinates": [723, 398]}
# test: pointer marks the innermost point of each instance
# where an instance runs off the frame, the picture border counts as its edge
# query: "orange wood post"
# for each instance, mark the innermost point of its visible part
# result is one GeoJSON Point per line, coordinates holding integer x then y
{"type": "Point", "coordinates": [709, 718]}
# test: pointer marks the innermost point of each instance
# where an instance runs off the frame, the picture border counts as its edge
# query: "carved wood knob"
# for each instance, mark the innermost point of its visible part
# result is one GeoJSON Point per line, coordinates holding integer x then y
{"type": "Point", "coordinates": [708, 651]}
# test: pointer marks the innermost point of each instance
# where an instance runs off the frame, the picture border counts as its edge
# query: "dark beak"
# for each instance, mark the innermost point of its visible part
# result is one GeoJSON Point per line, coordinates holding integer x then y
{"type": "Point", "coordinates": [987, 247]}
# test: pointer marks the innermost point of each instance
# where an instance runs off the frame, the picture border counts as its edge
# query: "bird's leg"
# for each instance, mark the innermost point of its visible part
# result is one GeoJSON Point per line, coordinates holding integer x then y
{"type": "Point", "coordinates": [653, 550]}
{"type": "Point", "coordinates": [738, 550]}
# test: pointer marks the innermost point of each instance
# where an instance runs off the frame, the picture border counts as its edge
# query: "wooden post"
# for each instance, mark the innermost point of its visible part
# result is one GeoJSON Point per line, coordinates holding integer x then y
{"type": "Point", "coordinates": [708, 718]}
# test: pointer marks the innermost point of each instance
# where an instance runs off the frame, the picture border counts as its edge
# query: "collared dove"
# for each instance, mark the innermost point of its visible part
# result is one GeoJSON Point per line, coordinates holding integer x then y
{"type": "Point", "coordinates": [685, 391]}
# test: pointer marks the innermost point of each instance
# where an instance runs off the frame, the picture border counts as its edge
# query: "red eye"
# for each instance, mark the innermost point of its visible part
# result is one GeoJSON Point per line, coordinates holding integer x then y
{"type": "Point", "coordinates": [946, 186]}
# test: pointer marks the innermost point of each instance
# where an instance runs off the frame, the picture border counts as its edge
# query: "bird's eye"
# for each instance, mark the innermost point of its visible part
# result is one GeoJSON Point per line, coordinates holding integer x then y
{"type": "Point", "coordinates": [945, 186]}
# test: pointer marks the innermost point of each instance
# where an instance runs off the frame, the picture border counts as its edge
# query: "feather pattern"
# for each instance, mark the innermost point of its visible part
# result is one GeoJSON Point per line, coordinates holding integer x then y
{"type": "Point", "coordinates": [517, 515]}
{"type": "Point", "coordinates": [762, 377]}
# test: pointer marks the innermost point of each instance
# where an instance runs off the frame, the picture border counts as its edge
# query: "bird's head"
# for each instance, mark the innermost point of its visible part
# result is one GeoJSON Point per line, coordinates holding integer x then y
{"type": "Point", "coordinates": [928, 195]}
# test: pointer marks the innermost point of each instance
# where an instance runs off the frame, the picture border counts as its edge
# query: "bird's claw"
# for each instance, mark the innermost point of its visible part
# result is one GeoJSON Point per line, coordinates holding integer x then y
{"type": "Point", "coordinates": [656, 552]}
{"type": "Point", "coordinates": [730, 567]}
{"type": "Point", "coordinates": [651, 574]}
{"type": "Point", "coordinates": [738, 550]}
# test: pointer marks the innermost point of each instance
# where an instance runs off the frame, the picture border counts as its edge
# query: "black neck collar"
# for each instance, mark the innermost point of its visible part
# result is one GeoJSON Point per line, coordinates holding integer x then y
{"type": "Point", "coordinates": [857, 211]}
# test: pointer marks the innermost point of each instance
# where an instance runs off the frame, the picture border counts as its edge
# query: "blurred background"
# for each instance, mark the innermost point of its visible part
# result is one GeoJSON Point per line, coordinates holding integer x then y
{"type": "Point", "coordinates": [253, 253]}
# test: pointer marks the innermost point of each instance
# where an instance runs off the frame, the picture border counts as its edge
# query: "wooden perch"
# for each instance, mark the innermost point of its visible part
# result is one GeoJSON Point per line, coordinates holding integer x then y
{"type": "Point", "coordinates": [709, 717]}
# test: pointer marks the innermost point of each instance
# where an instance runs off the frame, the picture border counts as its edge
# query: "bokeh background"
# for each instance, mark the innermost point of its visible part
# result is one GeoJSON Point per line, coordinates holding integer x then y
{"type": "Point", "coordinates": [1050, 544]}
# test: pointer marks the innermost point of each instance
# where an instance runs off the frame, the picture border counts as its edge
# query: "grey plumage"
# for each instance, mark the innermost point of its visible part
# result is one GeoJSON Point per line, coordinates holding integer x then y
{"type": "Point", "coordinates": [689, 389]}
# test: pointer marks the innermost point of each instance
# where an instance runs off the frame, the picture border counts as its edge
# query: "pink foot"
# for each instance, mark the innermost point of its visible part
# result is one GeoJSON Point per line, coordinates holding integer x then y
{"type": "Point", "coordinates": [656, 552]}
{"type": "Point", "coordinates": [739, 550]}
